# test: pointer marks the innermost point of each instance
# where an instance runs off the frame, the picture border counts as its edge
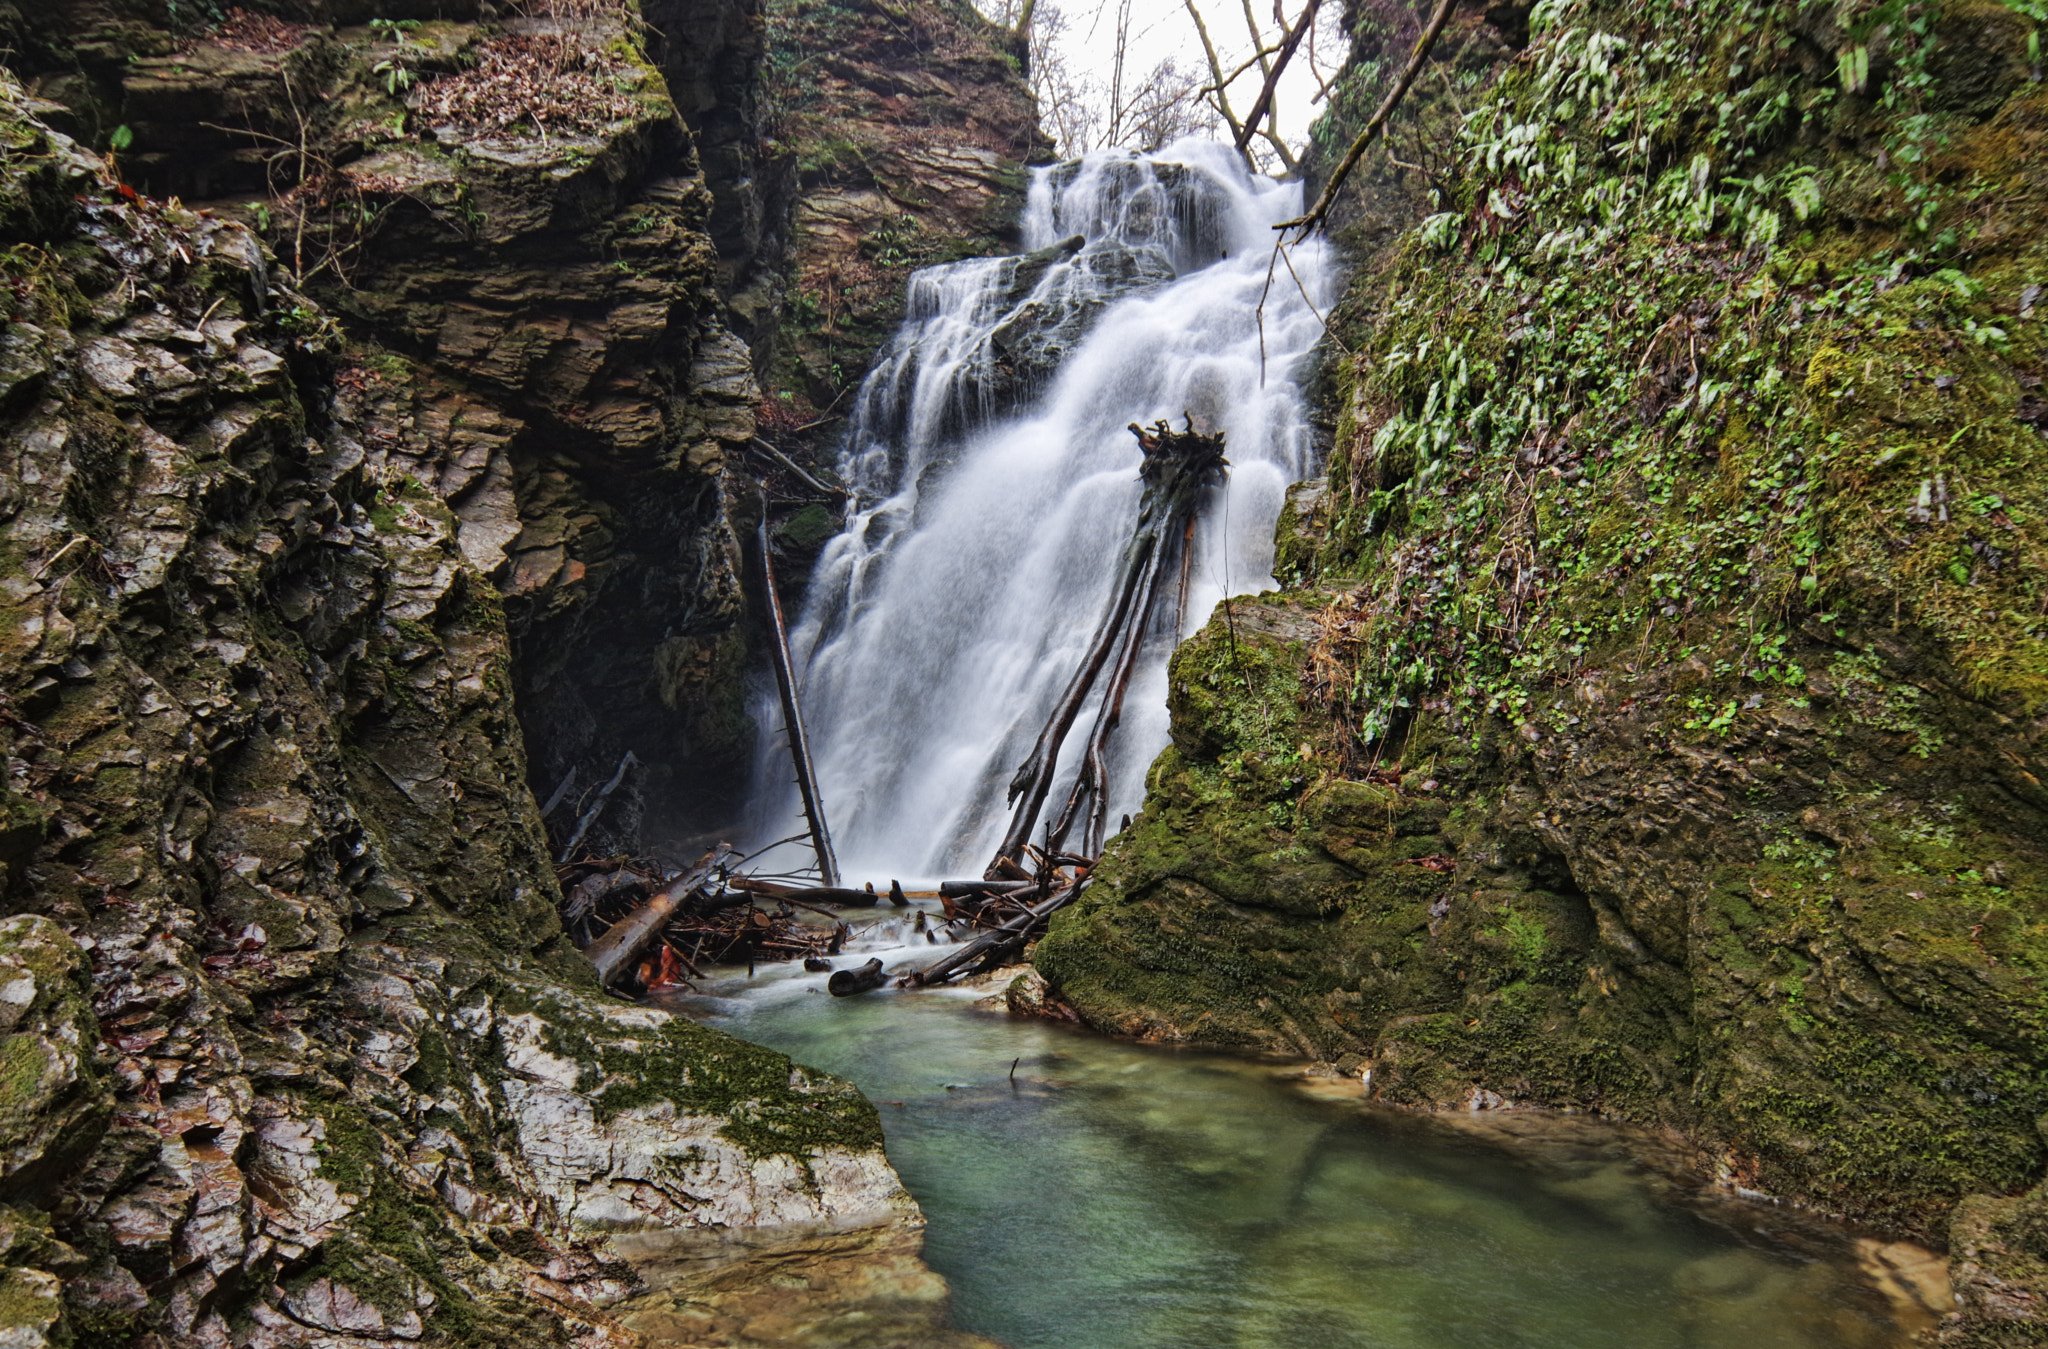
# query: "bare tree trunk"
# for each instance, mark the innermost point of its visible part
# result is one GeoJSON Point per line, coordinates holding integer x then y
{"type": "Point", "coordinates": [1187, 571]}
{"type": "Point", "coordinates": [1178, 467]}
{"type": "Point", "coordinates": [1263, 105]}
{"type": "Point", "coordinates": [792, 717]}
{"type": "Point", "coordinates": [1092, 783]}
{"type": "Point", "coordinates": [1270, 74]}
{"type": "Point", "coordinates": [1219, 83]}
{"type": "Point", "coordinates": [1034, 779]}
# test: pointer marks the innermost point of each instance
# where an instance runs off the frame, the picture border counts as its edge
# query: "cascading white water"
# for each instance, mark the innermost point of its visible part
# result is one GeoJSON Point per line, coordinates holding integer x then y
{"type": "Point", "coordinates": [994, 486]}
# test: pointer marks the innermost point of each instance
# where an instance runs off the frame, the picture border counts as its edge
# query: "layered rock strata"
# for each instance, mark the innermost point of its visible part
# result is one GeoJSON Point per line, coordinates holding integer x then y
{"type": "Point", "coordinates": [298, 1052]}
{"type": "Point", "coordinates": [906, 130]}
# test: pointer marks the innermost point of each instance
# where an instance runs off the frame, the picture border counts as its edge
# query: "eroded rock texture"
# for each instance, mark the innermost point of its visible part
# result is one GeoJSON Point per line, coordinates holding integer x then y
{"type": "Point", "coordinates": [512, 224]}
{"type": "Point", "coordinates": [908, 129]}
{"type": "Point", "coordinates": [295, 1053]}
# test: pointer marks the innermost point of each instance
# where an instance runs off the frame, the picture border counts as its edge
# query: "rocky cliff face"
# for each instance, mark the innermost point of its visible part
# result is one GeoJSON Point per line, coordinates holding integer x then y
{"type": "Point", "coordinates": [556, 293]}
{"type": "Point", "coordinates": [302, 1056]}
{"type": "Point", "coordinates": [906, 130]}
{"type": "Point", "coordinates": [419, 410]}
{"type": "Point", "coordinates": [515, 228]}
{"type": "Point", "coordinates": [1654, 720]}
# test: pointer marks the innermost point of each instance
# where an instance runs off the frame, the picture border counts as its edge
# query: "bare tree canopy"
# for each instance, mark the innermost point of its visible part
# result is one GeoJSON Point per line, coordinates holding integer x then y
{"type": "Point", "coordinates": [1139, 74]}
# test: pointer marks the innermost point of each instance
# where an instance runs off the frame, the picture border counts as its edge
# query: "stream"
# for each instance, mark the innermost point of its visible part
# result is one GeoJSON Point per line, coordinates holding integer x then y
{"type": "Point", "coordinates": [1085, 1193]}
{"type": "Point", "coordinates": [1122, 1196]}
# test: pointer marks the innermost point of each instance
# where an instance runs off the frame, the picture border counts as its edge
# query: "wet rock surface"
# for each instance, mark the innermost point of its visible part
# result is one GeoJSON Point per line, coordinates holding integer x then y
{"type": "Point", "coordinates": [296, 1052]}
{"type": "Point", "coordinates": [1553, 777]}
{"type": "Point", "coordinates": [895, 164]}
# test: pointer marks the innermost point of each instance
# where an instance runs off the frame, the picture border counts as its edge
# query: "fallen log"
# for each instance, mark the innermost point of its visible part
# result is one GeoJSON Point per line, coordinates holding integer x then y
{"type": "Point", "coordinates": [815, 894]}
{"type": "Point", "coordinates": [1178, 468]}
{"type": "Point", "coordinates": [616, 952]}
{"type": "Point", "coordinates": [958, 889]}
{"type": "Point", "coordinates": [1015, 930]}
{"type": "Point", "coordinates": [846, 983]}
{"type": "Point", "coordinates": [787, 894]}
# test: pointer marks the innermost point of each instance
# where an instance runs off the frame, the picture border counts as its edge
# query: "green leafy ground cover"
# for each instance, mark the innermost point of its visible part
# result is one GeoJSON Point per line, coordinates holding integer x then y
{"type": "Point", "coordinates": [1662, 728]}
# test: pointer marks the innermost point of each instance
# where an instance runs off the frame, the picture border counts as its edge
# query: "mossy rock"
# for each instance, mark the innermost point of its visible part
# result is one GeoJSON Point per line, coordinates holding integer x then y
{"type": "Point", "coordinates": [53, 1106]}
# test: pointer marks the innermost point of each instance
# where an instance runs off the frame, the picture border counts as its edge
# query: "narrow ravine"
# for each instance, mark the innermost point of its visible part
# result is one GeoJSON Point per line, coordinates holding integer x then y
{"type": "Point", "coordinates": [1121, 1196]}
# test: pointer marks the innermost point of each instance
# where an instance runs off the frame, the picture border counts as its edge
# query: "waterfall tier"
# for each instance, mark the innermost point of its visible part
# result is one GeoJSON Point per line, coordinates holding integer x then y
{"type": "Point", "coordinates": [994, 485]}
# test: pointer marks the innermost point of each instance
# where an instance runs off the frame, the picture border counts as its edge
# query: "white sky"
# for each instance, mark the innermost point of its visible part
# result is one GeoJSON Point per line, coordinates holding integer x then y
{"type": "Point", "coordinates": [1162, 28]}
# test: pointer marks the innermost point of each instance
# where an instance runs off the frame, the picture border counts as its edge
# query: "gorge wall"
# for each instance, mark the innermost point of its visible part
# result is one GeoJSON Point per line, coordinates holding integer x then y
{"type": "Point", "coordinates": [1653, 716]}
{"type": "Point", "coordinates": [372, 423]}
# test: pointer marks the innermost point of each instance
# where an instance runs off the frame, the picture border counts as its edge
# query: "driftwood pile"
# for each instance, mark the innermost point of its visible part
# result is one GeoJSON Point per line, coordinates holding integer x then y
{"type": "Point", "coordinates": [641, 929]}
{"type": "Point", "coordinates": [643, 932]}
{"type": "Point", "coordinates": [1012, 914]}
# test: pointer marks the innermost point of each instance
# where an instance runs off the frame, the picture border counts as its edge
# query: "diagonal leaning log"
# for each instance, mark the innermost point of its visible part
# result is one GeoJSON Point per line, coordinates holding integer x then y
{"type": "Point", "coordinates": [1178, 469]}
{"type": "Point", "coordinates": [792, 715]}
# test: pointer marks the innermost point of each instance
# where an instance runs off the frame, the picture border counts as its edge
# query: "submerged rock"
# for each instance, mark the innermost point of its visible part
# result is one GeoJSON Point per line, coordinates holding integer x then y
{"type": "Point", "coordinates": [814, 1290]}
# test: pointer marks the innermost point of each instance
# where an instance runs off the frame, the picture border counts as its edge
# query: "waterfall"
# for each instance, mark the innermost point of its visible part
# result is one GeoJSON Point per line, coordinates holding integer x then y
{"type": "Point", "coordinates": [994, 485]}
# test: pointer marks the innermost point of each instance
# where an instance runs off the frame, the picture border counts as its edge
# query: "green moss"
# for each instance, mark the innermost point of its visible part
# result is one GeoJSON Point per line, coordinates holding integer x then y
{"type": "Point", "coordinates": [808, 528]}
{"type": "Point", "coordinates": [770, 1105]}
{"type": "Point", "coordinates": [705, 1073]}
{"type": "Point", "coordinates": [1684, 561]}
{"type": "Point", "coordinates": [351, 1151]}
{"type": "Point", "coordinates": [30, 1305]}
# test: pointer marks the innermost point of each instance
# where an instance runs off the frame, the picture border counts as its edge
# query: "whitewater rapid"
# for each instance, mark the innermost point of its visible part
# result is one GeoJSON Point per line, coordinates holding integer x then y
{"type": "Point", "coordinates": [994, 485]}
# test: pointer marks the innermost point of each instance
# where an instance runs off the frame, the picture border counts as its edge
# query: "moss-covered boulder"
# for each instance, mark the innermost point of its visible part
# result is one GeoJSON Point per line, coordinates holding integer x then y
{"type": "Point", "coordinates": [1669, 734]}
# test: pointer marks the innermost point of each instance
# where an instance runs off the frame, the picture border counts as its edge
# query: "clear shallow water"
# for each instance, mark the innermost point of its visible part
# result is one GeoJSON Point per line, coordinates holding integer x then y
{"type": "Point", "coordinates": [1118, 1196]}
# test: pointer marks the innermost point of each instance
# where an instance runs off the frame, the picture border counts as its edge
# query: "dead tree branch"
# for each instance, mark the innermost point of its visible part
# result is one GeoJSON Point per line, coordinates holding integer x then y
{"type": "Point", "coordinates": [1313, 220]}
{"type": "Point", "coordinates": [1218, 83]}
{"type": "Point", "coordinates": [596, 809]}
{"type": "Point", "coordinates": [1263, 105]}
{"type": "Point", "coordinates": [1179, 466]}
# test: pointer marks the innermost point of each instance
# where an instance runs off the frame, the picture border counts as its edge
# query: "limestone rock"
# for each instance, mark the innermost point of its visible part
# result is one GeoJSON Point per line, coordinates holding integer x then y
{"type": "Point", "coordinates": [295, 1049]}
